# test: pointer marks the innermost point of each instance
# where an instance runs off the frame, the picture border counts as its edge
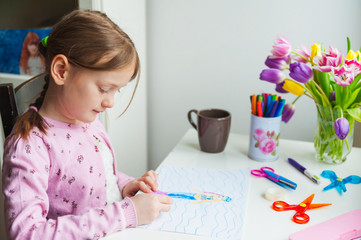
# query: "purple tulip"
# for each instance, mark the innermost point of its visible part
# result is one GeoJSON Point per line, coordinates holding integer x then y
{"type": "Point", "coordinates": [279, 88]}
{"type": "Point", "coordinates": [288, 111]}
{"type": "Point", "coordinates": [341, 128]}
{"type": "Point", "coordinates": [300, 72]}
{"type": "Point", "coordinates": [332, 96]}
{"type": "Point", "coordinates": [272, 75]}
{"type": "Point", "coordinates": [278, 63]}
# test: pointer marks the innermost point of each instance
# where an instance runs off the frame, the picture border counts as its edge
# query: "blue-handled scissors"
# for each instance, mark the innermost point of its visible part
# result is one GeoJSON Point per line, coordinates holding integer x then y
{"type": "Point", "coordinates": [337, 182]}
{"type": "Point", "coordinates": [269, 173]}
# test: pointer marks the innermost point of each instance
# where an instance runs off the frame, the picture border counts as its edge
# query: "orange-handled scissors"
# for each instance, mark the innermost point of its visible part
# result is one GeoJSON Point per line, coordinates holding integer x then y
{"type": "Point", "coordinates": [300, 216]}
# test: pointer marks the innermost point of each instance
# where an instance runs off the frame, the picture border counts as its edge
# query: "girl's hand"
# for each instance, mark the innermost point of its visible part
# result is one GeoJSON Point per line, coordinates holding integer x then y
{"type": "Point", "coordinates": [149, 205]}
{"type": "Point", "coordinates": [147, 183]}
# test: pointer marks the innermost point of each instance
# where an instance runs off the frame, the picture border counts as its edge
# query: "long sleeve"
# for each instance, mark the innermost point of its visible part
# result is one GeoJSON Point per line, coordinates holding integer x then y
{"type": "Point", "coordinates": [122, 180]}
{"type": "Point", "coordinates": [28, 179]}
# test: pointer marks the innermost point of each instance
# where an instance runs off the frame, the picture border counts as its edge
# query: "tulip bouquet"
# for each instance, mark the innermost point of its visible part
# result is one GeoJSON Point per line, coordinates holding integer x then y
{"type": "Point", "coordinates": [330, 80]}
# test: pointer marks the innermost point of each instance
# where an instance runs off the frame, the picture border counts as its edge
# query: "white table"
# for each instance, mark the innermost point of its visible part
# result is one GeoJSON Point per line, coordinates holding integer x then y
{"type": "Point", "coordinates": [261, 221]}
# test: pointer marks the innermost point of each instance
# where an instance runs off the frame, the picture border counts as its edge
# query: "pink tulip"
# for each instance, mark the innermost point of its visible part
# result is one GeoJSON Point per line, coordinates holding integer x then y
{"type": "Point", "coordinates": [281, 48]}
{"type": "Point", "coordinates": [328, 60]}
{"type": "Point", "coordinates": [305, 52]}
{"type": "Point", "coordinates": [354, 65]}
{"type": "Point", "coordinates": [343, 76]}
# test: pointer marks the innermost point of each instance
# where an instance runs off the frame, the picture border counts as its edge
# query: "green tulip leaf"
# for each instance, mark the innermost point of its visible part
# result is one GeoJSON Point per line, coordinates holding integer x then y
{"type": "Point", "coordinates": [354, 83]}
{"type": "Point", "coordinates": [323, 79]}
{"type": "Point", "coordinates": [358, 98]}
{"type": "Point", "coordinates": [355, 113]}
{"type": "Point", "coordinates": [314, 92]}
{"type": "Point", "coordinates": [352, 98]}
{"type": "Point", "coordinates": [348, 44]}
{"type": "Point", "coordinates": [338, 94]}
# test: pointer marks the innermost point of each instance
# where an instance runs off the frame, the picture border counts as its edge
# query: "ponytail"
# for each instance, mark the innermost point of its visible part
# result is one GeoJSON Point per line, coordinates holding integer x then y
{"type": "Point", "coordinates": [31, 118]}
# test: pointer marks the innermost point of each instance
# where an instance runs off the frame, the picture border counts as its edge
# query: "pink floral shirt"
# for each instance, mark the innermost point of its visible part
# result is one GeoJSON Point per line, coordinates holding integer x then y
{"type": "Point", "coordinates": [55, 185]}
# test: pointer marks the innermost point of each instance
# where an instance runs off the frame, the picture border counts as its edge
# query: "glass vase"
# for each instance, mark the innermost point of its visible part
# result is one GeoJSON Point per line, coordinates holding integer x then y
{"type": "Point", "coordinates": [329, 148]}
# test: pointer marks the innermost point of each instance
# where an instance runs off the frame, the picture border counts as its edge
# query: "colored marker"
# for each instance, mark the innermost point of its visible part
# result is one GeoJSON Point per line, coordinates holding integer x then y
{"type": "Point", "coordinates": [269, 108]}
{"type": "Point", "coordinates": [254, 104]}
{"type": "Point", "coordinates": [259, 109]}
{"type": "Point", "coordinates": [303, 170]}
{"type": "Point", "coordinates": [269, 100]}
{"type": "Point", "coordinates": [280, 108]}
{"type": "Point", "coordinates": [272, 114]}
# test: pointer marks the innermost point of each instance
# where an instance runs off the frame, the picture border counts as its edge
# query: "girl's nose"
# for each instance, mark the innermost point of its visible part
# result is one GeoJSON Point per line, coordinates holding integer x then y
{"type": "Point", "coordinates": [108, 102]}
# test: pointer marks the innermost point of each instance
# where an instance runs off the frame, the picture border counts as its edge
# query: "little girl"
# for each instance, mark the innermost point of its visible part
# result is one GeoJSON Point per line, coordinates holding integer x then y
{"type": "Point", "coordinates": [60, 177]}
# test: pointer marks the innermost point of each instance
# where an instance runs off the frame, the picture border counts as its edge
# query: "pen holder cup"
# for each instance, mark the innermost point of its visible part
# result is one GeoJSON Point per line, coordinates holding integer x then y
{"type": "Point", "coordinates": [264, 138]}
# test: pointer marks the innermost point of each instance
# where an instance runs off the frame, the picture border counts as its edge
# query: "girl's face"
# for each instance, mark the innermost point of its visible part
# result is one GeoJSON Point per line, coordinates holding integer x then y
{"type": "Point", "coordinates": [88, 92]}
{"type": "Point", "coordinates": [33, 49]}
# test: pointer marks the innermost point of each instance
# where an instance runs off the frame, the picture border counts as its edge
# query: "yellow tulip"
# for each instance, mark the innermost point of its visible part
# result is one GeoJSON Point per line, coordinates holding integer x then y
{"type": "Point", "coordinates": [293, 87]}
{"type": "Point", "coordinates": [351, 55]}
{"type": "Point", "coordinates": [358, 55]}
{"type": "Point", "coordinates": [315, 51]}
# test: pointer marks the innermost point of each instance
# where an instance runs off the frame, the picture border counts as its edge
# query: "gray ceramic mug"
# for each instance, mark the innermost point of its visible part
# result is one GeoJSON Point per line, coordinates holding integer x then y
{"type": "Point", "coordinates": [213, 127]}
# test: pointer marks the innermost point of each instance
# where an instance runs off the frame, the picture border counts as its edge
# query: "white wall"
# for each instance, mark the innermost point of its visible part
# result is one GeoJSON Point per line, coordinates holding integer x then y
{"type": "Point", "coordinates": [128, 133]}
{"type": "Point", "coordinates": [209, 53]}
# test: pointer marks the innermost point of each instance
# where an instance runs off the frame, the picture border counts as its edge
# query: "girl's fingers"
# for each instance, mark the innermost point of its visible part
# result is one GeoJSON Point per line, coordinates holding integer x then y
{"type": "Point", "coordinates": [144, 187]}
{"type": "Point", "coordinates": [155, 175]}
{"type": "Point", "coordinates": [150, 181]}
{"type": "Point", "coordinates": [152, 174]}
{"type": "Point", "coordinates": [165, 203]}
{"type": "Point", "coordinates": [165, 199]}
{"type": "Point", "coordinates": [165, 208]}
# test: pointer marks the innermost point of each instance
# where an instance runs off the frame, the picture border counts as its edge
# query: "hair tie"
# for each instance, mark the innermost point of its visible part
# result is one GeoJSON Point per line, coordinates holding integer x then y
{"type": "Point", "coordinates": [44, 41]}
{"type": "Point", "coordinates": [34, 108]}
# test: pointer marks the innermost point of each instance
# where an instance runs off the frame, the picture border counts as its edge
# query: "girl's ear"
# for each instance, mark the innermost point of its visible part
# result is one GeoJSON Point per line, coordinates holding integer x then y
{"type": "Point", "coordinates": [59, 69]}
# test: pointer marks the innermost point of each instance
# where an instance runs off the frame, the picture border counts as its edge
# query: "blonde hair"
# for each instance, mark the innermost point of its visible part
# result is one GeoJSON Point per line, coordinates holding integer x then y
{"type": "Point", "coordinates": [88, 39]}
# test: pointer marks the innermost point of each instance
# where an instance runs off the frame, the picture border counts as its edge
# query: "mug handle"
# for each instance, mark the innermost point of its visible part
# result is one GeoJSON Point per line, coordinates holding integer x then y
{"type": "Point", "coordinates": [190, 118]}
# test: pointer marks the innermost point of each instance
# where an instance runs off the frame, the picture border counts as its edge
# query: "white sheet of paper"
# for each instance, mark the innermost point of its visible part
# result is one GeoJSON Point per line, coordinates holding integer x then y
{"type": "Point", "coordinates": [220, 219]}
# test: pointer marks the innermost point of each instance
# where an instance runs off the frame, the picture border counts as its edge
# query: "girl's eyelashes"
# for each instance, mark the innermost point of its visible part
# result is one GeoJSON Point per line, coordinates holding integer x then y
{"type": "Point", "coordinates": [107, 90]}
{"type": "Point", "coordinates": [103, 90]}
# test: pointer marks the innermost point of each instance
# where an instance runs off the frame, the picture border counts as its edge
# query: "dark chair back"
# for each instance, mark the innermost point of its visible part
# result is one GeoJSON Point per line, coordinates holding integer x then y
{"type": "Point", "coordinates": [8, 107]}
{"type": "Point", "coordinates": [14, 102]}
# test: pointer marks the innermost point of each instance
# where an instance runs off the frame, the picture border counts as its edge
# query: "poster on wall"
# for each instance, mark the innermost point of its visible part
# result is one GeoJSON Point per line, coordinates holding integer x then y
{"type": "Point", "coordinates": [19, 51]}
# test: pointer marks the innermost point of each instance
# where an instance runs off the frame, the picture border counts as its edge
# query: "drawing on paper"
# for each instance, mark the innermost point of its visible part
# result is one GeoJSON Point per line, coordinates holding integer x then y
{"type": "Point", "coordinates": [200, 197]}
{"type": "Point", "coordinates": [216, 211]}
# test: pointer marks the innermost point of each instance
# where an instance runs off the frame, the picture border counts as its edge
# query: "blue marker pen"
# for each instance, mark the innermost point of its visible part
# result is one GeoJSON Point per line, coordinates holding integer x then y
{"type": "Point", "coordinates": [273, 111]}
{"type": "Point", "coordinates": [280, 108]}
